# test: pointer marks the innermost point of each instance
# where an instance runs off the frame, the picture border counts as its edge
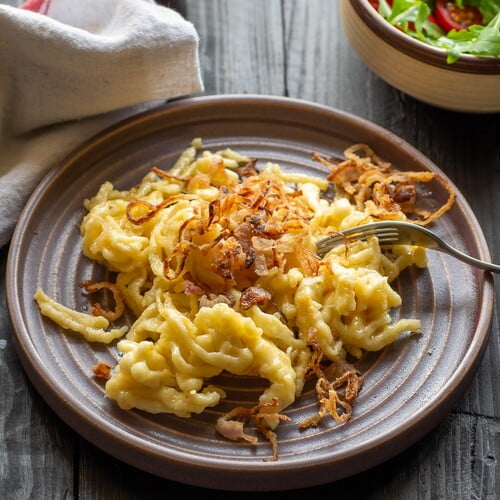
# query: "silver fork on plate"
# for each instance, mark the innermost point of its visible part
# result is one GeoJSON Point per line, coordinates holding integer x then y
{"type": "Point", "coordinates": [400, 233]}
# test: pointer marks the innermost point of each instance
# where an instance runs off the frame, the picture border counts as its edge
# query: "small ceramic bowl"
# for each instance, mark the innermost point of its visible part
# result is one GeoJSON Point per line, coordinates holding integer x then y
{"type": "Point", "coordinates": [471, 84]}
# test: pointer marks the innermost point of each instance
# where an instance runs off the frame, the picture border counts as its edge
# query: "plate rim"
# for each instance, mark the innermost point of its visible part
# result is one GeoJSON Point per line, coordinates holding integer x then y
{"type": "Point", "coordinates": [456, 385]}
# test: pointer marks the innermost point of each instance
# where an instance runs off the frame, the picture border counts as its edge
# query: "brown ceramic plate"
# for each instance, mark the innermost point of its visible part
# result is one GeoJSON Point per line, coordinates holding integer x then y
{"type": "Point", "coordinates": [409, 387]}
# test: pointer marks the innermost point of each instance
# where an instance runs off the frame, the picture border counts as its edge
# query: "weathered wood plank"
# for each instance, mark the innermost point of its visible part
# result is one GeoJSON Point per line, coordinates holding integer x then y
{"type": "Point", "coordinates": [241, 45]}
{"type": "Point", "coordinates": [103, 477]}
{"type": "Point", "coordinates": [321, 66]}
{"type": "Point", "coordinates": [36, 448]}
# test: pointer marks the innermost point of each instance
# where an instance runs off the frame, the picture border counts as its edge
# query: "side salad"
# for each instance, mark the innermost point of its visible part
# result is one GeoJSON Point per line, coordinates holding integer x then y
{"type": "Point", "coordinates": [459, 26]}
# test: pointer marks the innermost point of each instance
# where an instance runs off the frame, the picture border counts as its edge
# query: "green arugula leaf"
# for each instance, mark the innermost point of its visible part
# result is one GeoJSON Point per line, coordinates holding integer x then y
{"type": "Point", "coordinates": [422, 15]}
{"type": "Point", "coordinates": [384, 9]}
{"type": "Point", "coordinates": [432, 30]}
{"type": "Point", "coordinates": [404, 11]}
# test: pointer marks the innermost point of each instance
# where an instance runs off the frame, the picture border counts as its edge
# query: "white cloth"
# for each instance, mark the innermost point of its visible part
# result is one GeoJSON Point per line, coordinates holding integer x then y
{"type": "Point", "coordinates": [74, 67]}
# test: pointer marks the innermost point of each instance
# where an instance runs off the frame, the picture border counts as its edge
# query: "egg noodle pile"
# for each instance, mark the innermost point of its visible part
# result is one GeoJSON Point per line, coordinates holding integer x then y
{"type": "Point", "coordinates": [216, 259]}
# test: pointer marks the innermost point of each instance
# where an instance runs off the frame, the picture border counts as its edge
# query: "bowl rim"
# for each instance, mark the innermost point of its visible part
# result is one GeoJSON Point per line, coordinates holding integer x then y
{"type": "Point", "coordinates": [420, 50]}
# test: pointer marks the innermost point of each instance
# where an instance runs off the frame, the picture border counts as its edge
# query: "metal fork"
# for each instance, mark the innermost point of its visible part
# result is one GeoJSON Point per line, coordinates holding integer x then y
{"type": "Point", "coordinates": [399, 233]}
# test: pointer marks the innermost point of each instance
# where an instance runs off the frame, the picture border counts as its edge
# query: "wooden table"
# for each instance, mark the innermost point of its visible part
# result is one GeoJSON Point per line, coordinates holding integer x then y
{"type": "Point", "coordinates": [291, 48]}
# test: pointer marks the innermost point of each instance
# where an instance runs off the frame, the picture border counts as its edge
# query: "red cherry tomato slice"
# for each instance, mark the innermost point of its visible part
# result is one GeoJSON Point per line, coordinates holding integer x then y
{"type": "Point", "coordinates": [375, 3]}
{"type": "Point", "coordinates": [432, 19]}
{"type": "Point", "coordinates": [451, 17]}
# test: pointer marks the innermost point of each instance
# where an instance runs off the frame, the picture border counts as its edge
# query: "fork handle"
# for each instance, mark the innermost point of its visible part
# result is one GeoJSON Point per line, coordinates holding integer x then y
{"type": "Point", "coordinates": [487, 266]}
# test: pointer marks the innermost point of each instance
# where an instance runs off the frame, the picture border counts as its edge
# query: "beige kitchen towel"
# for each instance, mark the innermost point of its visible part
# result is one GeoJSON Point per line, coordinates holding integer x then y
{"type": "Point", "coordinates": [69, 68]}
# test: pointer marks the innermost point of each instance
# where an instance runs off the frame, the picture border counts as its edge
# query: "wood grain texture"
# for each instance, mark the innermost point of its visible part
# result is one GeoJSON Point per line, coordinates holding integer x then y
{"type": "Point", "coordinates": [241, 45]}
{"type": "Point", "coordinates": [36, 448]}
{"type": "Point", "coordinates": [295, 48]}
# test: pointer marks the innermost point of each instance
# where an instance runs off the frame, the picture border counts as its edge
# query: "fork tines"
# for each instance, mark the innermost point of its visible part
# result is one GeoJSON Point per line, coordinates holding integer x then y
{"type": "Point", "coordinates": [385, 236]}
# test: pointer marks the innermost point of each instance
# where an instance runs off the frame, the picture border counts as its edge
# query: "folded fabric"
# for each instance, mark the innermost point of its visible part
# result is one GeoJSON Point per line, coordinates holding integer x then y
{"type": "Point", "coordinates": [69, 68]}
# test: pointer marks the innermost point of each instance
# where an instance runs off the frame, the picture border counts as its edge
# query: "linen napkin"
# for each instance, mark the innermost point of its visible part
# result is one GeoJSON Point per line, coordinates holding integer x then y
{"type": "Point", "coordinates": [69, 68]}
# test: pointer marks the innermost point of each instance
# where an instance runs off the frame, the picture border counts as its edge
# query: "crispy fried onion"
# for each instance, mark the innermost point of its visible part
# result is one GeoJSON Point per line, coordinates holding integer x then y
{"type": "Point", "coordinates": [140, 211]}
{"type": "Point", "coordinates": [254, 295]}
{"type": "Point", "coordinates": [337, 386]}
{"type": "Point", "coordinates": [147, 209]}
{"type": "Point", "coordinates": [102, 370]}
{"type": "Point", "coordinates": [191, 288]}
{"type": "Point", "coordinates": [381, 191]}
{"type": "Point", "coordinates": [165, 175]}
{"type": "Point", "coordinates": [248, 169]}
{"type": "Point", "coordinates": [257, 224]}
{"type": "Point", "coordinates": [232, 424]}
{"type": "Point", "coordinates": [262, 223]}
{"type": "Point", "coordinates": [97, 310]}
